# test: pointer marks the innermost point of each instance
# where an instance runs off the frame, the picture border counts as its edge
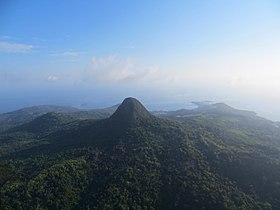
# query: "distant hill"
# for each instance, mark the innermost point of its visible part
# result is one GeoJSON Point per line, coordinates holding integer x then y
{"type": "Point", "coordinates": [21, 116]}
{"type": "Point", "coordinates": [212, 157]}
{"type": "Point", "coordinates": [44, 123]}
{"type": "Point", "coordinates": [27, 114]}
{"type": "Point", "coordinates": [208, 109]}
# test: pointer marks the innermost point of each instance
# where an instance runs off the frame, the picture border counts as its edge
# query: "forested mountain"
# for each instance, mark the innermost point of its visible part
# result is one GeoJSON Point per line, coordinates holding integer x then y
{"type": "Point", "coordinates": [25, 115]}
{"type": "Point", "coordinates": [207, 109]}
{"type": "Point", "coordinates": [212, 157]}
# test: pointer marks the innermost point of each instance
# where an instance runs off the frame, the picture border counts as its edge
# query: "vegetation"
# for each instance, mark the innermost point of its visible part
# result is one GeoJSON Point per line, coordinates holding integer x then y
{"type": "Point", "coordinates": [133, 160]}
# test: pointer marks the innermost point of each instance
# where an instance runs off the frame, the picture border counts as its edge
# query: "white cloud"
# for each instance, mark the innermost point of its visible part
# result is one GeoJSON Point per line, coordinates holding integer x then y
{"type": "Point", "coordinates": [130, 47]}
{"type": "Point", "coordinates": [40, 39]}
{"type": "Point", "coordinates": [5, 37]}
{"type": "Point", "coordinates": [150, 73]}
{"type": "Point", "coordinates": [52, 78]}
{"type": "Point", "coordinates": [114, 69]}
{"type": "Point", "coordinates": [68, 53]}
{"type": "Point", "coordinates": [11, 47]}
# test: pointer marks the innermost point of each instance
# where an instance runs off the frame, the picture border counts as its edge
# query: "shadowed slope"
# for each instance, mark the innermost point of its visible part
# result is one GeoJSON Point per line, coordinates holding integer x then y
{"type": "Point", "coordinates": [129, 111]}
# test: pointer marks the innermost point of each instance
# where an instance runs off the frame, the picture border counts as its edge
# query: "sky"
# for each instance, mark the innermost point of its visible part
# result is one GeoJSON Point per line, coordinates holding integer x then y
{"type": "Point", "coordinates": [94, 53]}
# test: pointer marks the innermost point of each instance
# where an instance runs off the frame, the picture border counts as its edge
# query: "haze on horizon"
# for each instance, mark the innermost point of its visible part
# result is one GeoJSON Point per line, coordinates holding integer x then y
{"type": "Point", "coordinates": [165, 53]}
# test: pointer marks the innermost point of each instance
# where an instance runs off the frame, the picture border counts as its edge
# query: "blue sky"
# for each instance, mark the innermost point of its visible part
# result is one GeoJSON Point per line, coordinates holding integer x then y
{"type": "Point", "coordinates": [166, 53]}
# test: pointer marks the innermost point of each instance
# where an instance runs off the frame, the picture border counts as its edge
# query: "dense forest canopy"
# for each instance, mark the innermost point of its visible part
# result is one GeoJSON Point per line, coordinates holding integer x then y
{"type": "Point", "coordinates": [212, 157]}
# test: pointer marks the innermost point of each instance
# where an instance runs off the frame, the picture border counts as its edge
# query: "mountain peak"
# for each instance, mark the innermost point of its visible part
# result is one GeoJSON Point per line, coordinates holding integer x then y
{"type": "Point", "coordinates": [130, 109]}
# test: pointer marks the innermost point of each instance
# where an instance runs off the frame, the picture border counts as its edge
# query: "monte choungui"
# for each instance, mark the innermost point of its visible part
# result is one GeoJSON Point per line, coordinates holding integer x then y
{"type": "Point", "coordinates": [125, 157]}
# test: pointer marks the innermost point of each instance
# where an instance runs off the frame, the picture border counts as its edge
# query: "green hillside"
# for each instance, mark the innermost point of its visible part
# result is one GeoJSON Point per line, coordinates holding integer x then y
{"type": "Point", "coordinates": [216, 158]}
{"type": "Point", "coordinates": [25, 115]}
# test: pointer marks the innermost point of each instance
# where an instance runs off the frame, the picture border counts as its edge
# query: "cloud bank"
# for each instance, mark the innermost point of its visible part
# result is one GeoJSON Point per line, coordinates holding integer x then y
{"type": "Point", "coordinates": [11, 47]}
{"type": "Point", "coordinates": [116, 69]}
